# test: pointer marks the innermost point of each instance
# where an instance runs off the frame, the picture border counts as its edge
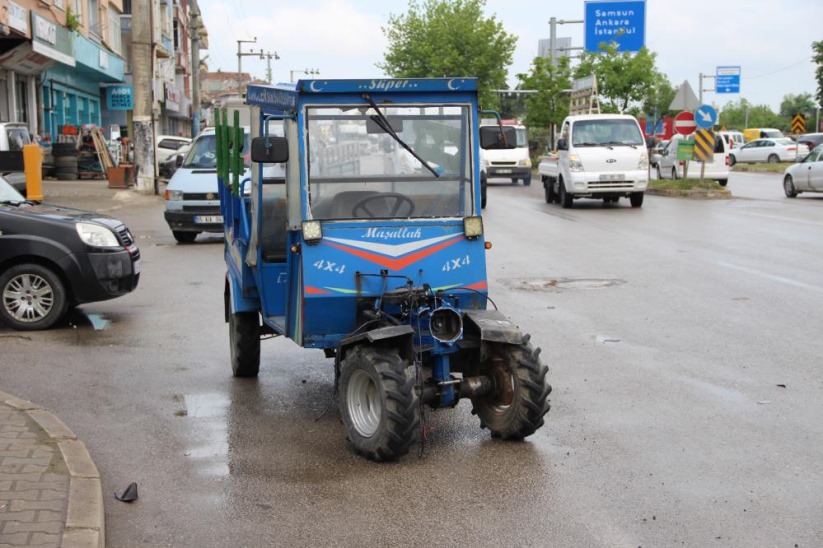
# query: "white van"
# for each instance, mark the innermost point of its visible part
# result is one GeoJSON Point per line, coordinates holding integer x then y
{"type": "Point", "coordinates": [192, 199]}
{"type": "Point", "coordinates": [669, 167]}
{"type": "Point", "coordinates": [509, 163]}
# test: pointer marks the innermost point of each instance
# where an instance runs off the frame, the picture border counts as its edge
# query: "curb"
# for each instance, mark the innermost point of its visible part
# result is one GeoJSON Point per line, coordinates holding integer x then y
{"type": "Point", "coordinates": [85, 518]}
{"type": "Point", "coordinates": [722, 194]}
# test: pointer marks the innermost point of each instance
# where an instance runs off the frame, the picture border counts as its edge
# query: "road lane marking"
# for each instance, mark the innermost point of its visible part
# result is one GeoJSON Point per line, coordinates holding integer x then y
{"type": "Point", "coordinates": [773, 277]}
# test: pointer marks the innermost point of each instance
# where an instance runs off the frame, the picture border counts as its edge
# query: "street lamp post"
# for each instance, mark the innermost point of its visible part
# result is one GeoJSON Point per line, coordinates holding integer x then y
{"type": "Point", "coordinates": [309, 72]}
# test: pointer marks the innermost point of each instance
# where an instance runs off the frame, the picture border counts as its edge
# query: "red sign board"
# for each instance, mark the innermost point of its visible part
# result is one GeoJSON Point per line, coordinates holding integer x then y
{"type": "Point", "coordinates": [684, 123]}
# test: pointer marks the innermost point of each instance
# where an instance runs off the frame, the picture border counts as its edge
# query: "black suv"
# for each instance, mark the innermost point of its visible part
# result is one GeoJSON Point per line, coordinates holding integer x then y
{"type": "Point", "coordinates": [53, 257]}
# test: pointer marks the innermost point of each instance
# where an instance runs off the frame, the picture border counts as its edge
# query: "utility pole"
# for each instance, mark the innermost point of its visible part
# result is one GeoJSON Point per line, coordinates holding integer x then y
{"type": "Point", "coordinates": [142, 55]}
{"type": "Point", "coordinates": [553, 22]}
{"type": "Point", "coordinates": [309, 72]}
{"type": "Point", "coordinates": [240, 56]}
{"type": "Point", "coordinates": [195, 26]}
{"type": "Point", "coordinates": [269, 56]}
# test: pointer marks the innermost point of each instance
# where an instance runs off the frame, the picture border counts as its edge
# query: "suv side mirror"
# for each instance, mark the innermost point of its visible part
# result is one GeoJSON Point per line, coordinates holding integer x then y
{"type": "Point", "coordinates": [270, 150]}
{"type": "Point", "coordinates": [179, 161]}
{"type": "Point", "coordinates": [562, 144]}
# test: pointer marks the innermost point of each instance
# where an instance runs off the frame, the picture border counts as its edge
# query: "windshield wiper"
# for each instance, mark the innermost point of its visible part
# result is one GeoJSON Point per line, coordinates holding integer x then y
{"type": "Point", "coordinates": [385, 125]}
{"type": "Point", "coordinates": [619, 143]}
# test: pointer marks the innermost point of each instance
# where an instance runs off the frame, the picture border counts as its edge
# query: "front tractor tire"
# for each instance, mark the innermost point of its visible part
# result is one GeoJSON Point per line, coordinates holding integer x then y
{"type": "Point", "coordinates": [244, 340]}
{"type": "Point", "coordinates": [379, 403]}
{"type": "Point", "coordinates": [517, 406]}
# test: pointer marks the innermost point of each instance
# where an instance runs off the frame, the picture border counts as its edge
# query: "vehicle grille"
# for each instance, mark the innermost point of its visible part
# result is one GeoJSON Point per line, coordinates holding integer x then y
{"type": "Point", "coordinates": [201, 196]}
{"type": "Point", "coordinates": [504, 164]}
{"type": "Point", "coordinates": [611, 185]}
{"type": "Point", "coordinates": [127, 240]}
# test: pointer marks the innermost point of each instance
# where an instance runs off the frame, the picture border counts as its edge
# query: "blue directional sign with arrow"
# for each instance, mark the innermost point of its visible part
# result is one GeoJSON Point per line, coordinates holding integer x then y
{"type": "Point", "coordinates": [705, 116]}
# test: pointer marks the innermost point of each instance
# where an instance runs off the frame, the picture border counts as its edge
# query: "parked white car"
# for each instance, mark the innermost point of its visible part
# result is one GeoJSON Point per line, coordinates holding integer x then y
{"type": "Point", "coordinates": [669, 167]}
{"type": "Point", "coordinates": [772, 151]}
{"type": "Point", "coordinates": [168, 145]}
{"type": "Point", "coordinates": [805, 176]}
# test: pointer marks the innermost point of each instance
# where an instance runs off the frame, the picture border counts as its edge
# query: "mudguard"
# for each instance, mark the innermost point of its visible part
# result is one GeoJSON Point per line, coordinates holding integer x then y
{"type": "Point", "coordinates": [492, 325]}
{"type": "Point", "coordinates": [401, 337]}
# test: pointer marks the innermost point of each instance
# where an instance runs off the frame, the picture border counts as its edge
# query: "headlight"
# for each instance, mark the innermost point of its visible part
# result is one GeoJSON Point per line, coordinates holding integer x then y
{"type": "Point", "coordinates": [312, 231]}
{"type": "Point", "coordinates": [574, 163]}
{"type": "Point", "coordinates": [96, 235]}
{"type": "Point", "coordinates": [173, 195]}
{"type": "Point", "coordinates": [644, 161]}
{"type": "Point", "coordinates": [527, 162]}
{"type": "Point", "coordinates": [473, 227]}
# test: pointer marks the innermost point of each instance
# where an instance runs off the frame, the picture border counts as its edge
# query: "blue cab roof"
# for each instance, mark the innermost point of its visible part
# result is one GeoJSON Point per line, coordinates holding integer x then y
{"type": "Point", "coordinates": [283, 97]}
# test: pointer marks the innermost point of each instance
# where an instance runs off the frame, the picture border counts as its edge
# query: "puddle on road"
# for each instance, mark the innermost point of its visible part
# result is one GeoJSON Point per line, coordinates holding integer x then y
{"type": "Point", "coordinates": [78, 318]}
{"type": "Point", "coordinates": [208, 445]}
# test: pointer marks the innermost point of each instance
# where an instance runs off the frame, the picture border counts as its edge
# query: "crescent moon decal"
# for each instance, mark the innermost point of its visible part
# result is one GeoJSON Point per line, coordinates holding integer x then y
{"type": "Point", "coordinates": [452, 85]}
{"type": "Point", "coordinates": [314, 87]}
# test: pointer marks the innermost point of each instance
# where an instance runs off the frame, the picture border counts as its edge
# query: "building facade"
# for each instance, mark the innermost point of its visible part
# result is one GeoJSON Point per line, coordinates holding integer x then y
{"type": "Point", "coordinates": [68, 63]}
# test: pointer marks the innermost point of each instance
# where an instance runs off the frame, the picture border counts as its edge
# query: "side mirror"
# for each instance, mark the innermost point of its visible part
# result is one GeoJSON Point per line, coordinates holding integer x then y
{"type": "Point", "coordinates": [498, 137]}
{"type": "Point", "coordinates": [269, 150]}
{"type": "Point", "coordinates": [562, 144]}
{"type": "Point", "coordinates": [179, 160]}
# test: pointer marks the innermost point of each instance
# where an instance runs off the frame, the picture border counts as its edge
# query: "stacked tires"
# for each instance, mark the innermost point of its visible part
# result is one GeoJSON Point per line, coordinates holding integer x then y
{"type": "Point", "coordinates": [65, 161]}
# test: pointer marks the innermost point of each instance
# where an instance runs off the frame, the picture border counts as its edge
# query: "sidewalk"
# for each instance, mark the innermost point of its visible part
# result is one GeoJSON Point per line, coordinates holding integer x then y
{"type": "Point", "coordinates": [50, 490]}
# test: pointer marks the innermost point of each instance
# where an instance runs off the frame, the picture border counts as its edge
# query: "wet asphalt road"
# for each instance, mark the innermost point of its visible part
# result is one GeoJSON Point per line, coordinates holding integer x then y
{"type": "Point", "coordinates": [685, 357]}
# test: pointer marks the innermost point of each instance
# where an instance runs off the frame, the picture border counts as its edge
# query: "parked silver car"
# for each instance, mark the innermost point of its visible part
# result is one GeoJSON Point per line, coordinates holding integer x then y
{"type": "Point", "coordinates": [772, 151]}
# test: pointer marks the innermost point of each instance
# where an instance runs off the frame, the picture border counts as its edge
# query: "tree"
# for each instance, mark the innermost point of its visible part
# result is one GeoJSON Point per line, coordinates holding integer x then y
{"type": "Point", "coordinates": [553, 83]}
{"type": "Point", "coordinates": [797, 104]}
{"type": "Point", "coordinates": [622, 77]}
{"type": "Point", "coordinates": [442, 38]}
{"type": "Point", "coordinates": [742, 114]}
{"type": "Point", "coordinates": [817, 47]}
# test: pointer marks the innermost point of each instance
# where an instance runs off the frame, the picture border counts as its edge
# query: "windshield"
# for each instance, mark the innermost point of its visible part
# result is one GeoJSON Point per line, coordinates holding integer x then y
{"type": "Point", "coordinates": [606, 132]}
{"type": "Point", "coordinates": [203, 153]}
{"type": "Point", "coordinates": [359, 170]}
{"type": "Point", "coordinates": [8, 193]}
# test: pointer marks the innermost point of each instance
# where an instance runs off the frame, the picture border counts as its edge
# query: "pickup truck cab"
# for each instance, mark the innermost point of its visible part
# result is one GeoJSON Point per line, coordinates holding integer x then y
{"type": "Point", "coordinates": [601, 156]}
{"type": "Point", "coordinates": [53, 257]}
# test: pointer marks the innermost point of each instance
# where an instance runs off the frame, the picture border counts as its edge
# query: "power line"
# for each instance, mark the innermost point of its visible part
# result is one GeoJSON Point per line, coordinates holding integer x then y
{"type": "Point", "coordinates": [807, 59]}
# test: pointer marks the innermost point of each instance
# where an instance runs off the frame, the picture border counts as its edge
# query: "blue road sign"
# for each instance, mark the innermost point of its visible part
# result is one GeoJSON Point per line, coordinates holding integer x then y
{"type": "Point", "coordinates": [705, 116]}
{"type": "Point", "coordinates": [623, 22]}
{"type": "Point", "coordinates": [728, 80]}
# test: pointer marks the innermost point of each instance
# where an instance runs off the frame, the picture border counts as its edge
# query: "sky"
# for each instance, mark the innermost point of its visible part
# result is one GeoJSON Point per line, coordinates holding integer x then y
{"type": "Point", "coordinates": [769, 39]}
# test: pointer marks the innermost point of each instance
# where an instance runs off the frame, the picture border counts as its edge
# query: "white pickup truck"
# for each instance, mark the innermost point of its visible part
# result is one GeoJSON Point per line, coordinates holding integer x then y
{"type": "Point", "coordinates": [601, 156]}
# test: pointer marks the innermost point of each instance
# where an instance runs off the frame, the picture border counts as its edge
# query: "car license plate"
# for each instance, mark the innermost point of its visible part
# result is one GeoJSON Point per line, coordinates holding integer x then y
{"type": "Point", "coordinates": [504, 171]}
{"type": "Point", "coordinates": [136, 266]}
{"type": "Point", "coordinates": [612, 177]}
{"type": "Point", "coordinates": [208, 219]}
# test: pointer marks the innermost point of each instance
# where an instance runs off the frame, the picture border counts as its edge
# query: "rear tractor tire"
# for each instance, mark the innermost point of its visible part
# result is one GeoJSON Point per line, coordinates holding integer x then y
{"type": "Point", "coordinates": [517, 406]}
{"type": "Point", "coordinates": [244, 341]}
{"type": "Point", "coordinates": [378, 402]}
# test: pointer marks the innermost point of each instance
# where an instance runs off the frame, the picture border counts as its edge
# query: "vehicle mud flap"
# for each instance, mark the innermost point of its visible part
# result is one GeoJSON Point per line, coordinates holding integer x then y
{"type": "Point", "coordinates": [395, 336]}
{"type": "Point", "coordinates": [492, 326]}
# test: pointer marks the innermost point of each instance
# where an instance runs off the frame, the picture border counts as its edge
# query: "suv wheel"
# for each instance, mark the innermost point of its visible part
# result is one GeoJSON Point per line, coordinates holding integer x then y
{"type": "Point", "coordinates": [33, 297]}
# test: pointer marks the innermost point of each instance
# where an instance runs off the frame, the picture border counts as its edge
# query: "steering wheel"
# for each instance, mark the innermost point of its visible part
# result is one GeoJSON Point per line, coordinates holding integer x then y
{"type": "Point", "coordinates": [399, 201]}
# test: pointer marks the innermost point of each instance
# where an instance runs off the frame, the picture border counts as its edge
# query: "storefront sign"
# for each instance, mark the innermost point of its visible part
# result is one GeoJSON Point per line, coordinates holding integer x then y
{"type": "Point", "coordinates": [18, 19]}
{"type": "Point", "coordinates": [52, 40]}
{"type": "Point", "coordinates": [120, 97]}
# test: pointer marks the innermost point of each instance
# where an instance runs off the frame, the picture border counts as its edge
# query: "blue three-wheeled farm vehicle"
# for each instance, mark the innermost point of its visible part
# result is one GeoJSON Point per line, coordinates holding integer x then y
{"type": "Point", "coordinates": [360, 233]}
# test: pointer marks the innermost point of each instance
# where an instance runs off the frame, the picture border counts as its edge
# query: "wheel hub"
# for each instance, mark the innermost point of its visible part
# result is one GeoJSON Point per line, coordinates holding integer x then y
{"type": "Point", "coordinates": [504, 391]}
{"type": "Point", "coordinates": [28, 297]}
{"type": "Point", "coordinates": [364, 404]}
